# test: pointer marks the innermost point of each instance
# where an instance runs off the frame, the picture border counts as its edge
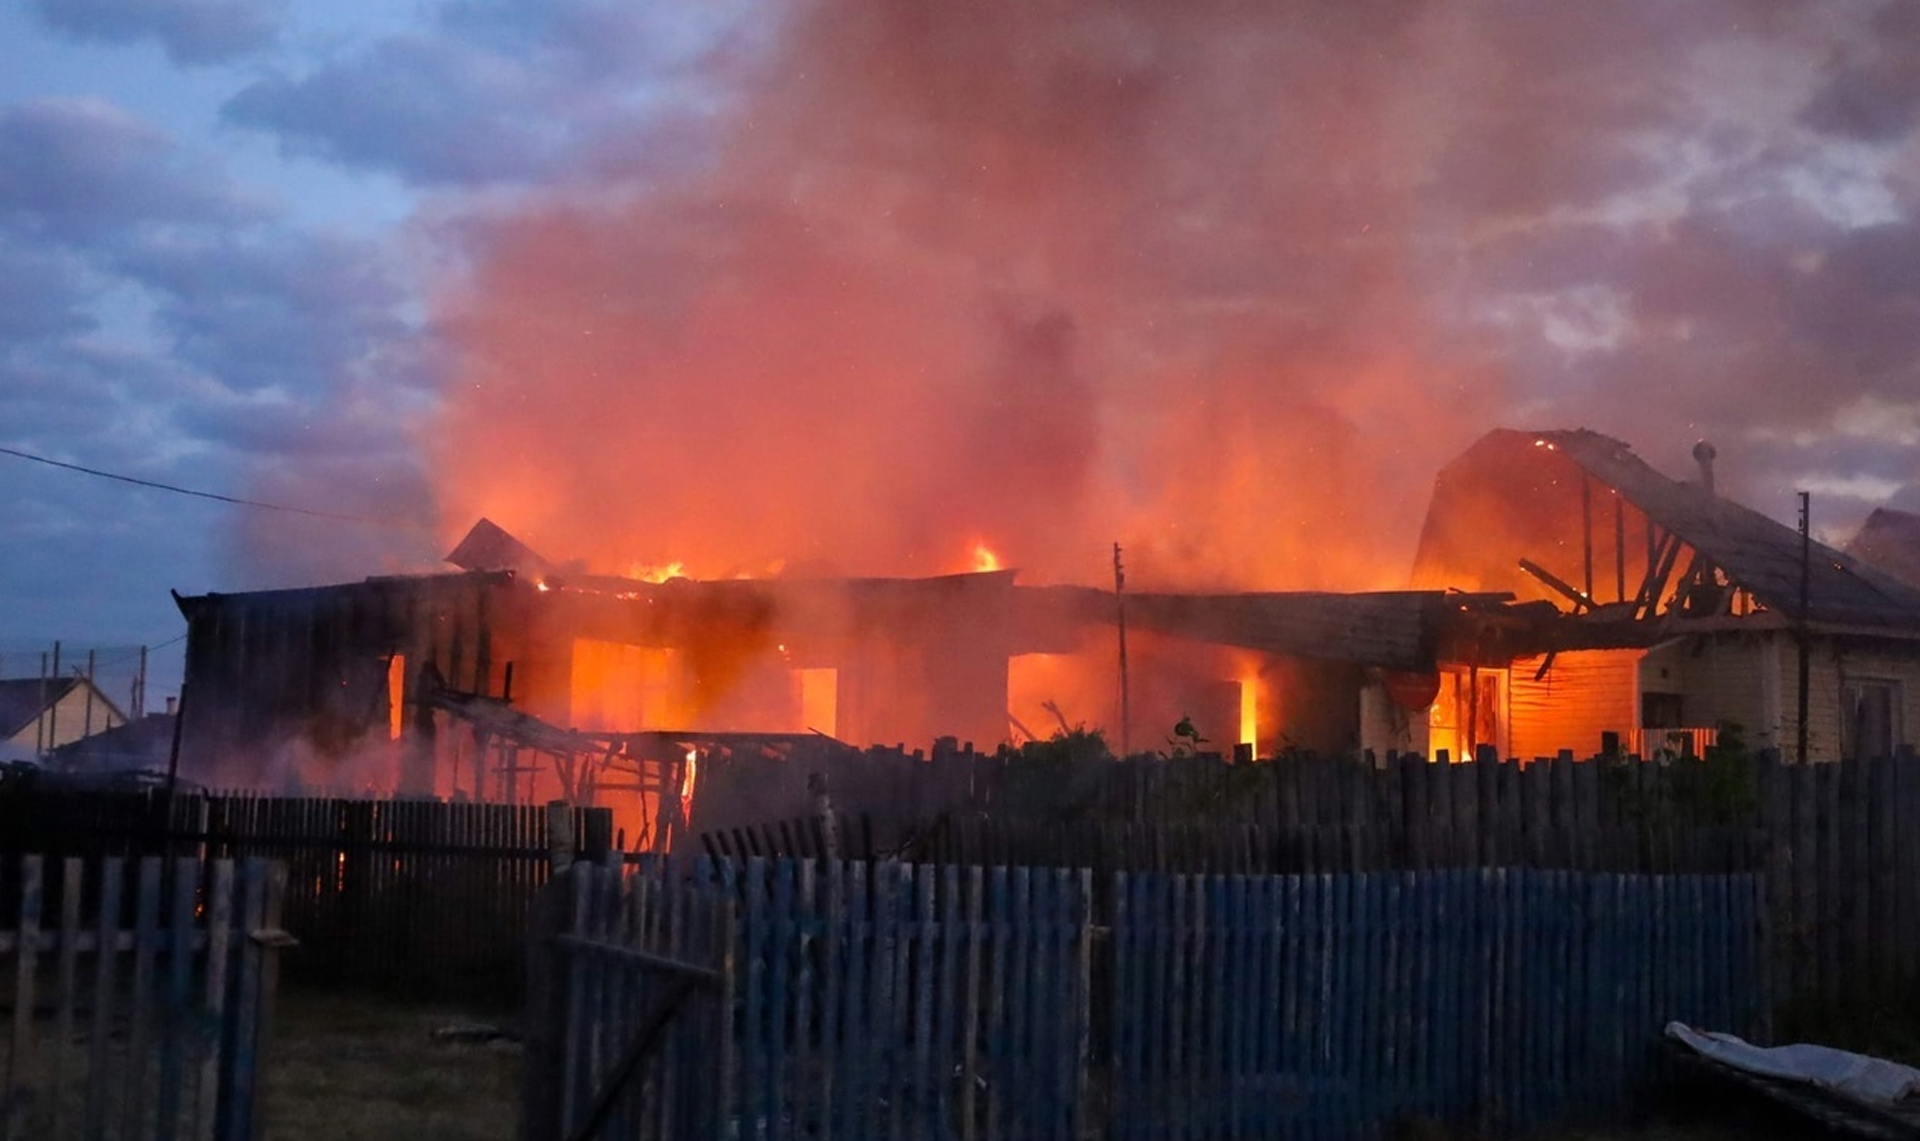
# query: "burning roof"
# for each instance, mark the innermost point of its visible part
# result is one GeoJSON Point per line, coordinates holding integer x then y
{"type": "Point", "coordinates": [1578, 499]}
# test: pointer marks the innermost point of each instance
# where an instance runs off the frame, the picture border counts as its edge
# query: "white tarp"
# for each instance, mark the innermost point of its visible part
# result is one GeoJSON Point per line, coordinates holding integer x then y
{"type": "Point", "coordinates": [1858, 1076]}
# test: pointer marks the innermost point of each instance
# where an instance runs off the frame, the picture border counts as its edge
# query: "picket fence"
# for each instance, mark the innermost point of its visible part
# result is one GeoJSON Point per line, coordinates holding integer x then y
{"type": "Point", "coordinates": [1833, 840]}
{"type": "Point", "coordinates": [893, 1001]}
{"type": "Point", "coordinates": [138, 996]}
{"type": "Point", "coordinates": [414, 897]}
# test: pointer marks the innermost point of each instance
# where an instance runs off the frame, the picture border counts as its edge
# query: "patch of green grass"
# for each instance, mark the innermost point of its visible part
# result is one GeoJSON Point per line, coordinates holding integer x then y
{"type": "Point", "coordinates": [354, 1068]}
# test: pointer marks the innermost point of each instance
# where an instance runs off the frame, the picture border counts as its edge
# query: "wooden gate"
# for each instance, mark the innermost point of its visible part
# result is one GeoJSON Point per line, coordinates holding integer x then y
{"type": "Point", "coordinates": [135, 996]}
{"type": "Point", "coordinates": [629, 997]}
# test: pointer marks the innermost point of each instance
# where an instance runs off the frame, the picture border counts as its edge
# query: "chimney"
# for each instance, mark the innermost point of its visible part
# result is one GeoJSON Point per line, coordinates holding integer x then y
{"type": "Point", "coordinates": [172, 703]}
{"type": "Point", "coordinates": [1703, 454]}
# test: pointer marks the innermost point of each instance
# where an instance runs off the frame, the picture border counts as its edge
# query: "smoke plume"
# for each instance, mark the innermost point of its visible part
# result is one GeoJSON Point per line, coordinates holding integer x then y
{"type": "Point", "coordinates": [1224, 281]}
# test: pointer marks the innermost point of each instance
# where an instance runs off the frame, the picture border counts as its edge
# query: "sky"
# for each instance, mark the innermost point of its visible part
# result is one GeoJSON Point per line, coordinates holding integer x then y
{"type": "Point", "coordinates": [858, 286]}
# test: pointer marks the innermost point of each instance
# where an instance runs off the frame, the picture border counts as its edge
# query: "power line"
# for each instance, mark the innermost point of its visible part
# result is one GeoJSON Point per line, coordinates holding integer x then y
{"type": "Point", "coordinates": [335, 515]}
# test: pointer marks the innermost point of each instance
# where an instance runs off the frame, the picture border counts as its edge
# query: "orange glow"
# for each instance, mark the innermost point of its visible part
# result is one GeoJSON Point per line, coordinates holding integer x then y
{"type": "Point", "coordinates": [819, 699]}
{"type": "Point", "coordinates": [1250, 713]}
{"type": "Point", "coordinates": [687, 777]}
{"type": "Point", "coordinates": [619, 688]}
{"type": "Point", "coordinates": [660, 573]}
{"type": "Point", "coordinates": [984, 559]}
{"type": "Point", "coordinates": [396, 695]}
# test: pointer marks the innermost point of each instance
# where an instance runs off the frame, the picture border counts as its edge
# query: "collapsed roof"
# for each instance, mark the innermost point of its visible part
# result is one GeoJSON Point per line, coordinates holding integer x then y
{"type": "Point", "coordinates": [1565, 498]}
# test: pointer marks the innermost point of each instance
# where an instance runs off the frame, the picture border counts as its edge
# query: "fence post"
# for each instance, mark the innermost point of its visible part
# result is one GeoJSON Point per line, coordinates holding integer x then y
{"type": "Point", "coordinates": [543, 1071]}
{"type": "Point", "coordinates": [257, 975]}
{"type": "Point", "coordinates": [560, 842]}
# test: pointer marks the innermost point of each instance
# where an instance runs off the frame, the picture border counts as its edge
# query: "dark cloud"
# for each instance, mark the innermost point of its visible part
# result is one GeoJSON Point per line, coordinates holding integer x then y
{"type": "Point", "coordinates": [43, 293]}
{"type": "Point", "coordinates": [1873, 90]}
{"type": "Point", "coordinates": [79, 170]}
{"type": "Point", "coordinates": [497, 92]}
{"type": "Point", "coordinates": [290, 310]}
{"type": "Point", "coordinates": [192, 31]}
{"type": "Point", "coordinates": [430, 110]}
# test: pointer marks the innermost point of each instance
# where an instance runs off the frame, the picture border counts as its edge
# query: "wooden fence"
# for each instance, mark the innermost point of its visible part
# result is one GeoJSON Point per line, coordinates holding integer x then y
{"type": "Point", "coordinates": [138, 995]}
{"type": "Point", "coordinates": [416, 897]}
{"type": "Point", "coordinates": [1836, 841]}
{"type": "Point", "coordinates": [892, 1001]}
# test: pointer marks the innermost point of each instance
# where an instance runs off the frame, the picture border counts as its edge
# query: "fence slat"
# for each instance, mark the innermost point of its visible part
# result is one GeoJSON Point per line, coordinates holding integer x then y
{"type": "Point", "coordinates": [106, 933]}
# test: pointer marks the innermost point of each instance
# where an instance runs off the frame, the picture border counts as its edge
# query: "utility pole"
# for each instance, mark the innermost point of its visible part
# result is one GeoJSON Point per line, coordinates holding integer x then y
{"type": "Point", "coordinates": [53, 703]}
{"type": "Point", "coordinates": [1120, 620]}
{"type": "Point", "coordinates": [1806, 570]}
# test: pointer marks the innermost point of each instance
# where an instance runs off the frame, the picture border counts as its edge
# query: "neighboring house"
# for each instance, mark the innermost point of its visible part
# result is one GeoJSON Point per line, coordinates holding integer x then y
{"type": "Point", "coordinates": [143, 744]}
{"type": "Point", "coordinates": [1890, 540]}
{"type": "Point", "coordinates": [1678, 610]}
{"type": "Point", "coordinates": [38, 715]}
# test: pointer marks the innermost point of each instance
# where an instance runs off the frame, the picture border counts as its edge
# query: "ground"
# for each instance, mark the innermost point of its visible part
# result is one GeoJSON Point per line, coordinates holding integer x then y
{"type": "Point", "coordinates": [351, 1068]}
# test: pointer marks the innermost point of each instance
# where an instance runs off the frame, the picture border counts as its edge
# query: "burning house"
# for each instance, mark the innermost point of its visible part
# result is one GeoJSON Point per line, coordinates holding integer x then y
{"type": "Point", "coordinates": [1568, 597]}
{"type": "Point", "coordinates": [1678, 610]}
{"type": "Point", "coordinates": [514, 677]}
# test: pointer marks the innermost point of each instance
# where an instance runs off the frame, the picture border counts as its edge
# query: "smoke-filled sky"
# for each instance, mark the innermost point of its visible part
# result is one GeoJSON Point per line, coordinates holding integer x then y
{"type": "Point", "coordinates": [859, 285]}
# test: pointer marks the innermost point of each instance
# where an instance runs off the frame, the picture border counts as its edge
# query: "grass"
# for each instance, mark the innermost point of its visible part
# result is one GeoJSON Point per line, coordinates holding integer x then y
{"type": "Point", "coordinates": [356, 1068]}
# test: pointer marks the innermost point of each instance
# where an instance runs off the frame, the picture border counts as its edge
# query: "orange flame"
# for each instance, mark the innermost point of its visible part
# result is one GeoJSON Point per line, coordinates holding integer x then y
{"type": "Point", "coordinates": [984, 559]}
{"type": "Point", "coordinates": [646, 572]}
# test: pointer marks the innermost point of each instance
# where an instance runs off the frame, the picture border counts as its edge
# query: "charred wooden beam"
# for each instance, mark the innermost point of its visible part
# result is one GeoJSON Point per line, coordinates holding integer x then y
{"type": "Point", "coordinates": [1661, 556]}
{"type": "Point", "coordinates": [1557, 584]}
{"type": "Point", "coordinates": [1586, 535]}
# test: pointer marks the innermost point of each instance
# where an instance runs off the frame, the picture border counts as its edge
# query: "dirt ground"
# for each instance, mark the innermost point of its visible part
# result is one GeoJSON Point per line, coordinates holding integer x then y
{"type": "Point", "coordinates": [351, 1068]}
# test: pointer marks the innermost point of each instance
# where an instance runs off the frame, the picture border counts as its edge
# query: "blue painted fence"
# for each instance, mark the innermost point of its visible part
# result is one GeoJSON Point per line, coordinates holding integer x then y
{"type": "Point", "coordinates": [135, 996]}
{"type": "Point", "coordinates": [889, 1001]}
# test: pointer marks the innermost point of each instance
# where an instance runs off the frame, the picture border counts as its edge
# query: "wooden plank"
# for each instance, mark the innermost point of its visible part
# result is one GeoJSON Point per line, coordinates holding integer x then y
{"type": "Point", "coordinates": [1374, 968]}
{"type": "Point", "coordinates": [219, 929]}
{"type": "Point", "coordinates": [1879, 921]}
{"type": "Point", "coordinates": [755, 1021]}
{"type": "Point", "coordinates": [1290, 1054]}
{"type": "Point", "coordinates": [1832, 882]}
{"type": "Point", "coordinates": [1240, 994]}
{"type": "Point", "coordinates": [892, 905]}
{"type": "Point", "coordinates": [1125, 1016]}
{"type": "Point", "coordinates": [67, 943]}
{"type": "Point", "coordinates": [971, 1021]}
{"type": "Point", "coordinates": [946, 985]}
{"type": "Point", "coordinates": [1906, 939]}
{"type": "Point", "coordinates": [241, 1067]}
{"type": "Point", "coordinates": [100, 1083]}
{"type": "Point", "coordinates": [140, 1009]}
{"type": "Point", "coordinates": [26, 961]}
{"type": "Point", "coordinates": [779, 954]}
{"type": "Point", "coordinates": [924, 933]}
{"type": "Point", "coordinates": [859, 1033]}
{"type": "Point", "coordinates": [1855, 966]}
{"type": "Point", "coordinates": [995, 997]}
{"type": "Point", "coordinates": [833, 959]}
{"type": "Point", "coordinates": [174, 1025]}
{"type": "Point", "coordinates": [1080, 994]}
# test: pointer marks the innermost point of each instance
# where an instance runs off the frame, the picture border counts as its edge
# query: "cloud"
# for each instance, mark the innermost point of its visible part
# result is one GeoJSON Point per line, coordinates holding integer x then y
{"type": "Point", "coordinates": [192, 31]}
{"type": "Point", "coordinates": [79, 170]}
{"type": "Point", "coordinates": [1873, 93]}
{"type": "Point", "coordinates": [43, 293]}
{"type": "Point", "coordinates": [496, 92]}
